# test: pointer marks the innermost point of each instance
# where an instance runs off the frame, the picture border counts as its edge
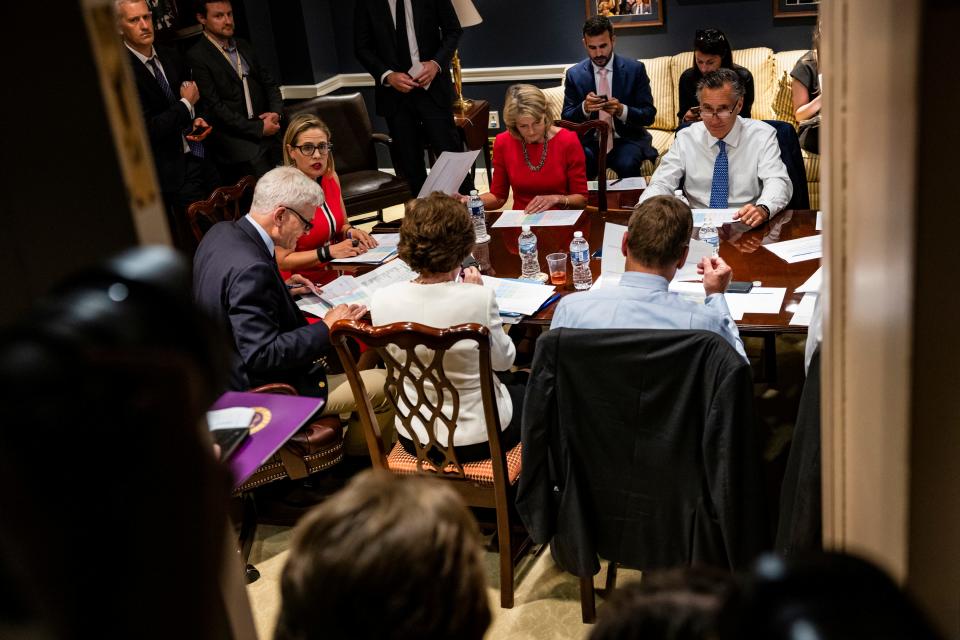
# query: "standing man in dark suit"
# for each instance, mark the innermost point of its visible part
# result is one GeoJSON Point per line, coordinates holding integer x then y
{"type": "Point", "coordinates": [407, 45]}
{"type": "Point", "coordinates": [615, 89]}
{"type": "Point", "coordinates": [167, 97]}
{"type": "Point", "coordinates": [240, 97]}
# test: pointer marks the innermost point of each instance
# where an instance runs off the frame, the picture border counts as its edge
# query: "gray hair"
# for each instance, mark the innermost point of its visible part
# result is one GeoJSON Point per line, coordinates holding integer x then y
{"type": "Point", "coordinates": [119, 3]}
{"type": "Point", "coordinates": [286, 186]}
{"type": "Point", "coordinates": [717, 79]}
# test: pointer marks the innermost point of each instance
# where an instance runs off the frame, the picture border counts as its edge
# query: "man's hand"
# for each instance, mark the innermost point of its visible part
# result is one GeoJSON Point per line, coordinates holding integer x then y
{"type": "Point", "coordinates": [593, 102]}
{"type": "Point", "coordinates": [471, 275]}
{"type": "Point", "coordinates": [346, 249]}
{"type": "Point", "coordinates": [200, 122]}
{"type": "Point", "coordinates": [299, 286]}
{"type": "Point", "coordinates": [189, 90]}
{"type": "Point", "coordinates": [271, 123]}
{"type": "Point", "coordinates": [430, 71]}
{"type": "Point", "coordinates": [752, 215]}
{"type": "Point", "coordinates": [344, 312]}
{"type": "Point", "coordinates": [543, 203]}
{"type": "Point", "coordinates": [614, 107]}
{"type": "Point", "coordinates": [717, 274]}
{"type": "Point", "coordinates": [401, 82]}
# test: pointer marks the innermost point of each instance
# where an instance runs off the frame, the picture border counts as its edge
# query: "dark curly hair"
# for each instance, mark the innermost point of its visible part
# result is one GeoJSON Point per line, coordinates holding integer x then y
{"type": "Point", "coordinates": [436, 234]}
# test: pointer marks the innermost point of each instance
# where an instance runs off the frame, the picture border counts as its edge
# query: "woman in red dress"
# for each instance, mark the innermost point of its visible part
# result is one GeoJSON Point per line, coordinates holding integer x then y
{"type": "Point", "coordinates": [544, 164]}
{"type": "Point", "coordinates": [307, 146]}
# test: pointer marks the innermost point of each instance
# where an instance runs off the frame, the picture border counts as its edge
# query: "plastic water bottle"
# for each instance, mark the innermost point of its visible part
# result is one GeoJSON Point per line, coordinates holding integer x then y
{"type": "Point", "coordinates": [678, 194]}
{"type": "Point", "coordinates": [708, 233]}
{"type": "Point", "coordinates": [475, 205]}
{"type": "Point", "coordinates": [580, 258]}
{"type": "Point", "coordinates": [529, 260]}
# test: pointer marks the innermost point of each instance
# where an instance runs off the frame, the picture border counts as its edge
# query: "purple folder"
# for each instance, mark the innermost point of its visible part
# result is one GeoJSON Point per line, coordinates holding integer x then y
{"type": "Point", "coordinates": [278, 418]}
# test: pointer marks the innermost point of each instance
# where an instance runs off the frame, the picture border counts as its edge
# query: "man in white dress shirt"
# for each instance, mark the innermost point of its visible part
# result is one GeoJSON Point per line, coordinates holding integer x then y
{"type": "Point", "coordinates": [725, 161]}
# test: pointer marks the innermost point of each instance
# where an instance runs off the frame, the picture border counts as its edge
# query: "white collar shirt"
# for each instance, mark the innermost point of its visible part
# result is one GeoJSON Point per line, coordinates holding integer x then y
{"type": "Point", "coordinates": [411, 34]}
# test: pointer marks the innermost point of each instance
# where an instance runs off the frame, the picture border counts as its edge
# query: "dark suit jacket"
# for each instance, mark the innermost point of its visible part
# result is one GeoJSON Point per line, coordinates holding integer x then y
{"type": "Point", "coordinates": [630, 85]}
{"type": "Point", "coordinates": [438, 31]}
{"type": "Point", "coordinates": [639, 446]}
{"type": "Point", "coordinates": [235, 138]}
{"type": "Point", "coordinates": [165, 122]}
{"type": "Point", "coordinates": [237, 283]}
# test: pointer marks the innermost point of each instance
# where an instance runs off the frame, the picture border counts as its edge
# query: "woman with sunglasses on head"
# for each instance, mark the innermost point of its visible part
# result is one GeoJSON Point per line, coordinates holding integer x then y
{"type": "Point", "coordinates": [307, 146]}
{"type": "Point", "coordinates": [711, 51]}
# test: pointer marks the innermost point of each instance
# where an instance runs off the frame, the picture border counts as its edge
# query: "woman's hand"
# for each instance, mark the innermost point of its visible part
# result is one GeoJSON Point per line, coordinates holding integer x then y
{"type": "Point", "coordinates": [544, 203]}
{"type": "Point", "coordinates": [471, 275]}
{"type": "Point", "coordinates": [345, 249]}
{"type": "Point", "coordinates": [300, 286]}
{"type": "Point", "coordinates": [365, 240]}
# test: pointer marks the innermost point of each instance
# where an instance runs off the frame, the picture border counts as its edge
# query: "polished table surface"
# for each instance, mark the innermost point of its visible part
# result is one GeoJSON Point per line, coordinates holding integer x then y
{"type": "Point", "coordinates": [741, 247]}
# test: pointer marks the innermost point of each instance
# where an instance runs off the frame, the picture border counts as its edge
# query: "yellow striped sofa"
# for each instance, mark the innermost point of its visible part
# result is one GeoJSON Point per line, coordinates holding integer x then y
{"type": "Point", "coordinates": [772, 98]}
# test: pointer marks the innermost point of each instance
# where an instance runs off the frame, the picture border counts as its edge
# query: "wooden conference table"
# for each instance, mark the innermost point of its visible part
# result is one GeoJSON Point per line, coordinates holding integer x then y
{"type": "Point", "coordinates": [740, 246]}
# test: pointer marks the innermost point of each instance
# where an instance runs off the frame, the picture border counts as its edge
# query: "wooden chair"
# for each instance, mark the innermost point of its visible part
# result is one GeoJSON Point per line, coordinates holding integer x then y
{"type": "Point", "coordinates": [225, 203]}
{"type": "Point", "coordinates": [315, 447]}
{"type": "Point", "coordinates": [603, 132]}
{"type": "Point", "coordinates": [489, 483]}
{"type": "Point", "coordinates": [365, 188]}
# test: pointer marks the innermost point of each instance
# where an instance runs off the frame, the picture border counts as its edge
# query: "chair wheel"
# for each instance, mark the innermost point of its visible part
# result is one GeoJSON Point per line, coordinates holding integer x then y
{"type": "Point", "coordinates": [251, 574]}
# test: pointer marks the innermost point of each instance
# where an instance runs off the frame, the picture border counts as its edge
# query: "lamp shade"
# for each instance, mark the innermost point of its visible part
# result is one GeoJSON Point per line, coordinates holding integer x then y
{"type": "Point", "coordinates": [466, 13]}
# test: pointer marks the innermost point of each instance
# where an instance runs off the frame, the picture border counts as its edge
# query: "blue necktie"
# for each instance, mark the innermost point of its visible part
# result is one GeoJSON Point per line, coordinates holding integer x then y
{"type": "Point", "coordinates": [196, 148]}
{"type": "Point", "coordinates": [720, 187]}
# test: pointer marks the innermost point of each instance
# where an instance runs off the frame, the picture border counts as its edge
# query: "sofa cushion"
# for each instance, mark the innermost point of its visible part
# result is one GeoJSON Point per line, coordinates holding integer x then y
{"type": "Point", "coordinates": [554, 97]}
{"type": "Point", "coordinates": [783, 100]}
{"type": "Point", "coordinates": [663, 88]}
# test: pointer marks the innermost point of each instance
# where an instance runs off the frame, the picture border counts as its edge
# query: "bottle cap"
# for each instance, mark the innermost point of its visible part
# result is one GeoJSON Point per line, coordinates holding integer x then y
{"type": "Point", "coordinates": [525, 228]}
{"type": "Point", "coordinates": [473, 192]}
{"type": "Point", "coordinates": [578, 234]}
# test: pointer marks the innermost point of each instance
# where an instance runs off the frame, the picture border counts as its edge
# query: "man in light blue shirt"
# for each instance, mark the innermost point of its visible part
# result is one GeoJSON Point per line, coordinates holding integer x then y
{"type": "Point", "coordinates": [655, 245]}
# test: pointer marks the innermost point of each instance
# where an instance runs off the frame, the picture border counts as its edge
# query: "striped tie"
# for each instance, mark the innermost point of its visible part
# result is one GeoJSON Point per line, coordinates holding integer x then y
{"type": "Point", "coordinates": [720, 187]}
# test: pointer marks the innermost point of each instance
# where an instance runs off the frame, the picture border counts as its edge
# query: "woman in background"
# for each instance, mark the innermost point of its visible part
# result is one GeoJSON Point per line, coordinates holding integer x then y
{"type": "Point", "coordinates": [806, 96]}
{"type": "Point", "coordinates": [711, 51]}
{"type": "Point", "coordinates": [307, 146]}
{"type": "Point", "coordinates": [544, 164]}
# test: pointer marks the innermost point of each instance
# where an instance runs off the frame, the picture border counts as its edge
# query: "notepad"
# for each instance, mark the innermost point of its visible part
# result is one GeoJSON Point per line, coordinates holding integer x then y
{"type": "Point", "coordinates": [719, 216]}
{"type": "Point", "coordinates": [551, 218]}
{"type": "Point", "coordinates": [514, 296]}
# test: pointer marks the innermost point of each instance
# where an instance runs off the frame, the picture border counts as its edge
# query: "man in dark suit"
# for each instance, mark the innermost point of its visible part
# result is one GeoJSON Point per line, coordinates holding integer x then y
{"type": "Point", "coordinates": [237, 282]}
{"type": "Point", "coordinates": [167, 97]}
{"type": "Point", "coordinates": [407, 46]}
{"type": "Point", "coordinates": [615, 89]}
{"type": "Point", "coordinates": [239, 96]}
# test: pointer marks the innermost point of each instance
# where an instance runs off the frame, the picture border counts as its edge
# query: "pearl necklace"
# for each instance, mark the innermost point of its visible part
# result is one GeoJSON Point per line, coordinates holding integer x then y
{"type": "Point", "coordinates": [543, 155]}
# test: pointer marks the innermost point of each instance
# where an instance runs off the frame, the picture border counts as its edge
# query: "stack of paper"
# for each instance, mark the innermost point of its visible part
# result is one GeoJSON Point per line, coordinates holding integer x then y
{"type": "Point", "coordinates": [551, 218]}
{"type": "Point", "coordinates": [448, 172]}
{"type": "Point", "coordinates": [376, 255]}
{"type": "Point", "coordinates": [516, 297]}
{"type": "Point", "coordinates": [387, 239]}
{"type": "Point", "coordinates": [799, 249]}
{"type": "Point", "coordinates": [719, 216]}
{"type": "Point", "coordinates": [359, 290]}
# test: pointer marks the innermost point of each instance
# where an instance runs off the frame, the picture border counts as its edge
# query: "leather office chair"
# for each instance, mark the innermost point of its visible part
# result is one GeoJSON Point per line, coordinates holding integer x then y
{"type": "Point", "coordinates": [792, 157]}
{"type": "Point", "coordinates": [639, 447]}
{"type": "Point", "coordinates": [365, 188]}
{"type": "Point", "coordinates": [603, 132]}
{"type": "Point", "coordinates": [225, 203]}
{"type": "Point", "coordinates": [489, 483]}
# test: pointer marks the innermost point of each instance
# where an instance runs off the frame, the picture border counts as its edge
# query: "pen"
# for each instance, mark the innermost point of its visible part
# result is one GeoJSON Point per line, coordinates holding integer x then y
{"type": "Point", "coordinates": [615, 181]}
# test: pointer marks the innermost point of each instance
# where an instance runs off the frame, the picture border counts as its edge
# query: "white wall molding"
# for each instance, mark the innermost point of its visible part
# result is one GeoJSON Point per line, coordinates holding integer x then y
{"type": "Point", "coordinates": [477, 74]}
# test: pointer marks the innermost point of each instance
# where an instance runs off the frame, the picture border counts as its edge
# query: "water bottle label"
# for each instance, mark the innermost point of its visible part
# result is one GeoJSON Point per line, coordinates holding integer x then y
{"type": "Point", "coordinates": [580, 256]}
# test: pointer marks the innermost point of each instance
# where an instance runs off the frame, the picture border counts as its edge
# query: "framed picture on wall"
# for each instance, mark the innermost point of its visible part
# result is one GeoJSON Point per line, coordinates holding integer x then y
{"type": "Point", "coordinates": [795, 8]}
{"type": "Point", "coordinates": [628, 13]}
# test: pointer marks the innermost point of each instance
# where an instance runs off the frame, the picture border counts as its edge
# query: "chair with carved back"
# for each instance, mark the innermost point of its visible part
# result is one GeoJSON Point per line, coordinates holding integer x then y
{"type": "Point", "coordinates": [315, 447]}
{"type": "Point", "coordinates": [582, 129]}
{"type": "Point", "coordinates": [225, 203]}
{"type": "Point", "coordinates": [417, 385]}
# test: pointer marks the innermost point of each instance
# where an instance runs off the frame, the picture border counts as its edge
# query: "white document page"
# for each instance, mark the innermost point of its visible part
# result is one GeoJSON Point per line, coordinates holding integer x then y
{"type": "Point", "coordinates": [812, 285]}
{"type": "Point", "coordinates": [551, 218]}
{"type": "Point", "coordinates": [230, 418]}
{"type": "Point", "coordinates": [819, 226]}
{"type": "Point", "coordinates": [698, 250]}
{"type": "Point", "coordinates": [759, 300]}
{"type": "Point", "coordinates": [387, 239]}
{"type": "Point", "coordinates": [612, 259]}
{"type": "Point", "coordinates": [394, 271]}
{"type": "Point", "coordinates": [620, 184]}
{"type": "Point", "coordinates": [719, 216]}
{"type": "Point", "coordinates": [518, 297]}
{"type": "Point", "coordinates": [415, 70]}
{"type": "Point", "coordinates": [798, 250]}
{"type": "Point", "coordinates": [376, 255]}
{"type": "Point", "coordinates": [803, 312]}
{"type": "Point", "coordinates": [448, 172]}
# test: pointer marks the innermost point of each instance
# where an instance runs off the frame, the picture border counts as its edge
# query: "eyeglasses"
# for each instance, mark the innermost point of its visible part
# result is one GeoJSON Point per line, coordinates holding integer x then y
{"type": "Point", "coordinates": [307, 226]}
{"type": "Point", "coordinates": [309, 148]}
{"type": "Point", "coordinates": [723, 114]}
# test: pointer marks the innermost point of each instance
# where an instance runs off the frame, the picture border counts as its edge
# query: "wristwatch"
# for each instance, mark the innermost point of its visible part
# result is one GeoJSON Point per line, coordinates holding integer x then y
{"type": "Point", "coordinates": [765, 208]}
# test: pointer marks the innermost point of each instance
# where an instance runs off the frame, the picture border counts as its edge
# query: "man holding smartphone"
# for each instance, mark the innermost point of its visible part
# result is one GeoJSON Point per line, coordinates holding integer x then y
{"type": "Point", "coordinates": [168, 98]}
{"type": "Point", "coordinates": [616, 90]}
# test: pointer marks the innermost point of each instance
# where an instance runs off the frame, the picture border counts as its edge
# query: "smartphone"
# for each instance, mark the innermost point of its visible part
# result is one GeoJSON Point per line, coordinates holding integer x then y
{"type": "Point", "coordinates": [197, 131]}
{"type": "Point", "coordinates": [604, 98]}
{"type": "Point", "coordinates": [739, 286]}
{"type": "Point", "coordinates": [695, 110]}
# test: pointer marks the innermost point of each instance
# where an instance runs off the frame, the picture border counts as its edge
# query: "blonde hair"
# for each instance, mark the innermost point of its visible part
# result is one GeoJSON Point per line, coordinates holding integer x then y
{"type": "Point", "coordinates": [302, 123]}
{"type": "Point", "coordinates": [525, 100]}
